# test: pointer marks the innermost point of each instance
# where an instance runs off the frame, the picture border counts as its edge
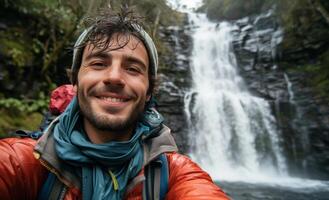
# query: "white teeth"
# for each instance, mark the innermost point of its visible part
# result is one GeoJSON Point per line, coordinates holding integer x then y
{"type": "Point", "coordinates": [112, 99]}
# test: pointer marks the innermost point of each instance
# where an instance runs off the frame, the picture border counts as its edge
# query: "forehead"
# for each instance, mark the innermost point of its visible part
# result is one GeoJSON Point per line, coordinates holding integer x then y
{"type": "Point", "coordinates": [126, 43]}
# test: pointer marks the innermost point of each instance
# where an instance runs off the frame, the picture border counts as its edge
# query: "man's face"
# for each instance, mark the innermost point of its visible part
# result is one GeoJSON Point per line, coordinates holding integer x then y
{"type": "Point", "coordinates": [112, 85]}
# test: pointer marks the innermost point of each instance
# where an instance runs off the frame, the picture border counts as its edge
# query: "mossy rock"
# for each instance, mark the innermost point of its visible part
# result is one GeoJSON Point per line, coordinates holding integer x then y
{"type": "Point", "coordinates": [316, 75]}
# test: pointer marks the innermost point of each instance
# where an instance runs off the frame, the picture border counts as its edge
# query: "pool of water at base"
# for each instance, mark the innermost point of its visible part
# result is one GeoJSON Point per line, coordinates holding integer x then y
{"type": "Point", "coordinates": [263, 191]}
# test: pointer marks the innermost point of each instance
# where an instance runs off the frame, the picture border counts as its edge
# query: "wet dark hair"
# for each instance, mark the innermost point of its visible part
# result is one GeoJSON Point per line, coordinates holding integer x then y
{"type": "Point", "coordinates": [103, 34]}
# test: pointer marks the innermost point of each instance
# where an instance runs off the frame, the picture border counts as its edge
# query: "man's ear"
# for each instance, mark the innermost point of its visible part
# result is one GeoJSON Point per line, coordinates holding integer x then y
{"type": "Point", "coordinates": [75, 88]}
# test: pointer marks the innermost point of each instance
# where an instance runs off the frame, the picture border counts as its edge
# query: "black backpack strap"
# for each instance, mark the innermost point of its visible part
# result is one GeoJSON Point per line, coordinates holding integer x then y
{"type": "Point", "coordinates": [52, 189]}
{"type": "Point", "coordinates": [31, 134]}
{"type": "Point", "coordinates": [156, 179]}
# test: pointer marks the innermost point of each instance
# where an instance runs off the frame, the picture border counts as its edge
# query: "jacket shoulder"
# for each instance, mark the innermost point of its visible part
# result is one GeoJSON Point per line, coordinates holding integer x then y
{"type": "Point", "coordinates": [19, 169]}
{"type": "Point", "coordinates": [188, 181]}
{"type": "Point", "coordinates": [17, 149]}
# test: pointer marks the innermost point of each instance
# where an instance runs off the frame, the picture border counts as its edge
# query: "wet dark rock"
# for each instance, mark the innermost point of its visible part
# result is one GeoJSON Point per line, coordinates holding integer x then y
{"type": "Point", "coordinates": [175, 80]}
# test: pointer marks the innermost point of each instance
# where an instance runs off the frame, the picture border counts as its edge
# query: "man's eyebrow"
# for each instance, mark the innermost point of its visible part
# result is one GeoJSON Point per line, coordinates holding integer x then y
{"type": "Point", "coordinates": [134, 59]}
{"type": "Point", "coordinates": [98, 54]}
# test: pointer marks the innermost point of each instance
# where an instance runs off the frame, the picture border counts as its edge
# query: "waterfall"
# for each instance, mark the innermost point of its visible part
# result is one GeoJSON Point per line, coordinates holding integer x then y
{"type": "Point", "coordinates": [233, 135]}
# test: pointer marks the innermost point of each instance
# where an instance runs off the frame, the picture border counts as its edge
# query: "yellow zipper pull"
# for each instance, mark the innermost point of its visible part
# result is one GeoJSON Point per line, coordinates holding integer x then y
{"type": "Point", "coordinates": [36, 155]}
{"type": "Point", "coordinates": [114, 180]}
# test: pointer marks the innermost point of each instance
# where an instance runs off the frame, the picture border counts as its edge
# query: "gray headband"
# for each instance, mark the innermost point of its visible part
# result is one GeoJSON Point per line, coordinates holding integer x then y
{"type": "Point", "coordinates": [144, 37]}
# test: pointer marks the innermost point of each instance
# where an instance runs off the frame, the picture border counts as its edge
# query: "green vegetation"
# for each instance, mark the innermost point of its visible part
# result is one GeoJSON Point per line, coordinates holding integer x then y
{"type": "Point", "coordinates": [39, 104]}
{"type": "Point", "coordinates": [233, 9]}
{"type": "Point", "coordinates": [34, 36]}
{"type": "Point", "coordinates": [316, 76]}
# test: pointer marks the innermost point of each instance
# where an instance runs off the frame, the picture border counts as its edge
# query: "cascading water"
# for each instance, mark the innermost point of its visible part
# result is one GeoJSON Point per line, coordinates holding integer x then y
{"type": "Point", "coordinates": [233, 134]}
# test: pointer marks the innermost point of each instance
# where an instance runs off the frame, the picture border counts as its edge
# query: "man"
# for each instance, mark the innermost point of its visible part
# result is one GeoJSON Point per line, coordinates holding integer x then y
{"type": "Point", "coordinates": [99, 146]}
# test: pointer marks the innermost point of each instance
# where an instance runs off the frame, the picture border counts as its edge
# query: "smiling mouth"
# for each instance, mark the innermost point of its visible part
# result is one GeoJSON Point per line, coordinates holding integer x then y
{"type": "Point", "coordinates": [112, 99]}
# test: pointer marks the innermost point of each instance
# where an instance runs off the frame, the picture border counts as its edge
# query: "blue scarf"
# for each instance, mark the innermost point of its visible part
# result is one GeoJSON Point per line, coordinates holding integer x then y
{"type": "Point", "coordinates": [105, 168]}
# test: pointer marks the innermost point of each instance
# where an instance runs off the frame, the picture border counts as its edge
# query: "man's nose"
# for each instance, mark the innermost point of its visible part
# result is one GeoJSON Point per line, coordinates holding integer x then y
{"type": "Point", "coordinates": [114, 75]}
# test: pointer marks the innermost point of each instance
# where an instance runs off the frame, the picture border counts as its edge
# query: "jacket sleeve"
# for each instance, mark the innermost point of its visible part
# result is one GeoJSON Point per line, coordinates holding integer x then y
{"type": "Point", "coordinates": [21, 175]}
{"type": "Point", "coordinates": [188, 181]}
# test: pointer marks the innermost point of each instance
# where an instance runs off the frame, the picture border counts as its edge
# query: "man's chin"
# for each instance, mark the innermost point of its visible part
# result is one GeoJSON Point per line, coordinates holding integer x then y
{"type": "Point", "coordinates": [110, 124]}
{"type": "Point", "coordinates": [103, 120]}
{"type": "Point", "coordinates": [106, 123]}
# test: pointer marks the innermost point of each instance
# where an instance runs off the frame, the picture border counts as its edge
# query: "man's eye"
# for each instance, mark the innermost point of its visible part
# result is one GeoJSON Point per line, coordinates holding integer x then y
{"type": "Point", "coordinates": [133, 69]}
{"type": "Point", "coordinates": [97, 64]}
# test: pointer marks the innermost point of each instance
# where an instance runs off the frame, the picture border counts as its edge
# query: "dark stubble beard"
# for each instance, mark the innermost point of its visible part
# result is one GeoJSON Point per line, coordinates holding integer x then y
{"type": "Point", "coordinates": [103, 123]}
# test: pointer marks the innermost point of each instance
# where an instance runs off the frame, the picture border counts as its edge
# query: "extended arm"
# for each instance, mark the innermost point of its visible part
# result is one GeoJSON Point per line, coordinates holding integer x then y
{"type": "Point", "coordinates": [21, 175]}
{"type": "Point", "coordinates": [188, 181]}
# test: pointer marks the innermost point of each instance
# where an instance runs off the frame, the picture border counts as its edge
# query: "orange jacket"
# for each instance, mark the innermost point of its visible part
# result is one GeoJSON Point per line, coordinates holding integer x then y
{"type": "Point", "coordinates": [22, 175]}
